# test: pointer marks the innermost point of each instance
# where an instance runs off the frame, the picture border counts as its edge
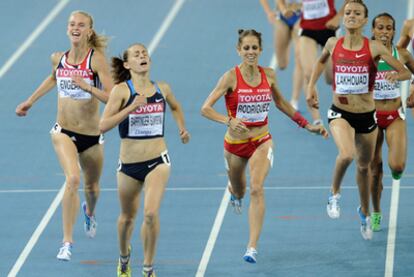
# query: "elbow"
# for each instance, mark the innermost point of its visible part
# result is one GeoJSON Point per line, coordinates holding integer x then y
{"type": "Point", "coordinates": [204, 111]}
{"type": "Point", "coordinates": [103, 128]}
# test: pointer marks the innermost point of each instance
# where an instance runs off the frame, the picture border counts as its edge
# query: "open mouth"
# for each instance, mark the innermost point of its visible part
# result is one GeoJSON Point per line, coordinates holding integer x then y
{"type": "Point", "coordinates": [143, 63]}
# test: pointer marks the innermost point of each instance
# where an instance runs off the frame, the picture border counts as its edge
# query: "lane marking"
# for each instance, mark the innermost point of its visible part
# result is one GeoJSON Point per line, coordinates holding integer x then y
{"type": "Point", "coordinates": [165, 25]}
{"type": "Point", "coordinates": [37, 233]}
{"type": "Point", "coordinates": [33, 36]}
{"type": "Point", "coordinates": [153, 45]}
{"type": "Point", "coordinates": [392, 229]}
{"type": "Point", "coordinates": [215, 230]}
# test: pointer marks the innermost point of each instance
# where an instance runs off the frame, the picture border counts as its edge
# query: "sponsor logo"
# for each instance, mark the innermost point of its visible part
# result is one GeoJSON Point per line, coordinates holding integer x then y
{"type": "Point", "coordinates": [359, 55]}
{"type": "Point", "coordinates": [152, 165]}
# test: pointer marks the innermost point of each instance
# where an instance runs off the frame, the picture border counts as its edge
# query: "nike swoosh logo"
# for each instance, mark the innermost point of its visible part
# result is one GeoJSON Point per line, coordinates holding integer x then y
{"type": "Point", "coordinates": [359, 56]}
{"type": "Point", "coordinates": [152, 165]}
{"type": "Point", "coordinates": [158, 100]}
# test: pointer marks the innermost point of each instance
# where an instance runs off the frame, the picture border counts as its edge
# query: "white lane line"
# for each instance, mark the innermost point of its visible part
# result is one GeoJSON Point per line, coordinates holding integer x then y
{"type": "Point", "coordinates": [392, 229]}
{"type": "Point", "coordinates": [36, 234]}
{"type": "Point", "coordinates": [33, 36]}
{"type": "Point", "coordinates": [202, 189]}
{"type": "Point", "coordinates": [165, 25]}
{"type": "Point", "coordinates": [215, 230]}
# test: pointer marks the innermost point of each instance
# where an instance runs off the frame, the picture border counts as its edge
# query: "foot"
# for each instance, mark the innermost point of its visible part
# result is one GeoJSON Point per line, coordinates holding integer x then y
{"type": "Point", "coordinates": [148, 272]}
{"type": "Point", "coordinates": [251, 255]}
{"type": "Point", "coordinates": [236, 204]}
{"type": "Point", "coordinates": [90, 222]}
{"type": "Point", "coordinates": [333, 209]}
{"type": "Point", "coordinates": [124, 270]}
{"type": "Point", "coordinates": [366, 230]}
{"type": "Point", "coordinates": [376, 221]}
{"type": "Point", "coordinates": [65, 252]}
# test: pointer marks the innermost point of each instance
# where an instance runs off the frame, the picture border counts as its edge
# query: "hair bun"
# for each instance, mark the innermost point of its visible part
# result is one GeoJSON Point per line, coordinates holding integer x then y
{"type": "Point", "coordinates": [240, 31]}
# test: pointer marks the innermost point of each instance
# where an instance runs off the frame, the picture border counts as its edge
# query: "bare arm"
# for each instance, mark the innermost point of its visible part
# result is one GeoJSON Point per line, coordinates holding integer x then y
{"type": "Point", "coordinates": [269, 12]}
{"type": "Point", "coordinates": [312, 95]}
{"type": "Point", "coordinates": [405, 34]}
{"type": "Point", "coordinates": [335, 21]}
{"type": "Point", "coordinates": [48, 83]}
{"type": "Point", "coordinates": [101, 67]}
{"type": "Point", "coordinates": [115, 111]}
{"type": "Point", "coordinates": [378, 50]}
{"type": "Point", "coordinates": [176, 111]}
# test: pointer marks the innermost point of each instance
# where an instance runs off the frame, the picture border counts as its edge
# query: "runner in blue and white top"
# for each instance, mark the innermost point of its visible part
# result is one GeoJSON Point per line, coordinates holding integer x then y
{"type": "Point", "coordinates": [137, 106]}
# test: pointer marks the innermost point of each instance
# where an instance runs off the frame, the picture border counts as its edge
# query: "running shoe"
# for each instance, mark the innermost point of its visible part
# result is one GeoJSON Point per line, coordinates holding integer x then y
{"type": "Point", "coordinates": [376, 221]}
{"type": "Point", "coordinates": [251, 255]}
{"type": "Point", "coordinates": [150, 273]}
{"type": "Point", "coordinates": [366, 230]}
{"type": "Point", "coordinates": [65, 252]}
{"type": "Point", "coordinates": [333, 209]}
{"type": "Point", "coordinates": [124, 270]}
{"type": "Point", "coordinates": [236, 204]}
{"type": "Point", "coordinates": [90, 223]}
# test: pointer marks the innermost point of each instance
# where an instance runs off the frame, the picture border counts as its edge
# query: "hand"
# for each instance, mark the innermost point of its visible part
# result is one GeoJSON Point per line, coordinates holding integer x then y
{"type": "Point", "coordinates": [271, 17]}
{"type": "Point", "coordinates": [139, 100]}
{"type": "Point", "coordinates": [23, 108]}
{"type": "Point", "coordinates": [312, 97]}
{"type": "Point", "coordinates": [185, 136]}
{"type": "Point", "coordinates": [287, 13]}
{"type": "Point", "coordinates": [410, 101]}
{"type": "Point", "coordinates": [79, 81]}
{"type": "Point", "coordinates": [333, 23]}
{"type": "Point", "coordinates": [317, 129]}
{"type": "Point", "coordinates": [237, 125]}
{"type": "Point", "coordinates": [391, 77]}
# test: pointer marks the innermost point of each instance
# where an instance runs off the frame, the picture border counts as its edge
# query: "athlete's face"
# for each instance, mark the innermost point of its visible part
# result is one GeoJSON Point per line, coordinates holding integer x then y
{"type": "Point", "coordinates": [138, 59]}
{"type": "Point", "coordinates": [354, 16]}
{"type": "Point", "coordinates": [384, 30]}
{"type": "Point", "coordinates": [79, 28]}
{"type": "Point", "coordinates": [249, 50]}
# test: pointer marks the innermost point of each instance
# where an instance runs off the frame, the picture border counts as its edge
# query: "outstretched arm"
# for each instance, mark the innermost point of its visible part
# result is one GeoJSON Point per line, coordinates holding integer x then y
{"type": "Point", "coordinates": [176, 111]}
{"type": "Point", "coordinates": [48, 83]}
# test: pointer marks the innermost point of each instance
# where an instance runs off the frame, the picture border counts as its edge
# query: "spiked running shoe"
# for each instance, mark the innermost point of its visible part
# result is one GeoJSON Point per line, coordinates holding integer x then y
{"type": "Point", "coordinates": [150, 273]}
{"type": "Point", "coordinates": [124, 270]}
{"type": "Point", "coordinates": [251, 255]}
{"type": "Point", "coordinates": [366, 230]}
{"type": "Point", "coordinates": [333, 209]}
{"type": "Point", "coordinates": [236, 204]}
{"type": "Point", "coordinates": [65, 252]}
{"type": "Point", "coordinates": [90, 223]}
{"type": "Point", "coordinates": [376, 221]}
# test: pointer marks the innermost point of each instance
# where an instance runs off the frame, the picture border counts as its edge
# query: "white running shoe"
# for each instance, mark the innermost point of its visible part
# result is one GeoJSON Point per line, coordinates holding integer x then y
{"type": "Point", "coordinates": [366, 229]}
{"type": "Point", "coordinates": [65, 252]}
{"type": "Point", "coordinates": [333, 209]}
{"type": "Point", "coordinates": [236, 204]}
{"type": "Point", "coordinates": [251, 255]}
{"type": "Point", "coordinates": [90, 223]}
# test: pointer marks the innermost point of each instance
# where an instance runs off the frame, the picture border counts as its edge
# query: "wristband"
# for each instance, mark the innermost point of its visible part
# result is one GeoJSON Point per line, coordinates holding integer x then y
{"type": "Point", "coordinates": [300, 120]}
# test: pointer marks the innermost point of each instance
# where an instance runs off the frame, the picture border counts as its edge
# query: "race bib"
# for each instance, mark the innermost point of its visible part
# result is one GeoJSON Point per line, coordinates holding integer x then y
{"type": "Point", "coordinates": [314, 9]}
{"type": "Point", "coordinates": [253, 108]}
{"type": "Point", "coordinates": [351, 79]}
{"type": "Point", "coordinates": [147, 121]}
{"type": "Point", "coordinates": [384, 89]}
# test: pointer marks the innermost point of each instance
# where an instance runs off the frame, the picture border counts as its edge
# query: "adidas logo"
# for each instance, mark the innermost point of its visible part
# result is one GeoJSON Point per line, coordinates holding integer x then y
{"type": "Point", "coordinates": [390, 117]}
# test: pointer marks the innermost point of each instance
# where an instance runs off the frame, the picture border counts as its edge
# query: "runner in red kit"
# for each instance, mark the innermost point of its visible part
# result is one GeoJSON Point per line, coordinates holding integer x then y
{"type": "Point", "coordinates": [352, 116]}
{"type": "Point", "coordinates": [249, 90]}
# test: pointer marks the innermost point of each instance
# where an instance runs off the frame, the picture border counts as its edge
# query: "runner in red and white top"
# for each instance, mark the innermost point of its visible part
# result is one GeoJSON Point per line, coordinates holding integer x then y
{"type": "Point", "coordinates": [77, 74]}
{"type": "Point", "coordinates": [248, 90]}
{"type": "Point", "coordinates": [352, 116]}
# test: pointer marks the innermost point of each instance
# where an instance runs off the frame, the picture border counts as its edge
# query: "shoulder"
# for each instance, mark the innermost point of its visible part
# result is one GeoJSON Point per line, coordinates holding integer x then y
{"type": "Point", "coordinates": [55, 57]}
{"type": "Point", "coordinates": [269, 72]}
{"type": "Point", "coordinates": [229, 76]}
{"type": "Point", "coordinates": [120, 90]}
{"type": "Point", "coordinates": [98, 59]}
{"type": "Point", "coordinates": [164, 87]}
{"type": "Point", "coordinates": [408, 24]}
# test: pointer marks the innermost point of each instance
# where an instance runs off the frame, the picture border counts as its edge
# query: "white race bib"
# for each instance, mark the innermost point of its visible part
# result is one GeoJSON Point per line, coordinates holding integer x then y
{"type": "Point", "coordinates": [146, 121]}
{"type": "Point", "coordinates": [314, 9]}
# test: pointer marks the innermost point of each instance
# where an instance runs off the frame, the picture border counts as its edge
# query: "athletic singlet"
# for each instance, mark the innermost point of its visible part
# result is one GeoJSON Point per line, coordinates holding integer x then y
{"type": "Point", "coordinates": [384, 89]}
{"type": "Point", "coordinates": [64, 71]}
{"type": "Point", "coordinates": [147, 121]}
{"type": "Point", "coordinates": [354, 71]}
{"type": "Point", "coordinates": [250, 104]}
{"type": "Point", "coordinates": [315, 13]}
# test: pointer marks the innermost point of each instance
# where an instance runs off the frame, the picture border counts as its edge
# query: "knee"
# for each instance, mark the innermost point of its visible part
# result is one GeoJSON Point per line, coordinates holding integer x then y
{"type": "Point", "coordinates": [126, 220]}
{"type": "Point", "coordinates": [376, 168]}
{"type": "Point", "coordinates": [150, 218]}
{"type": "Point", "coordinates": [256, 191]}
{"type": "Point", "coordinates": [345, 158]}
{"type": "Point", "coordinates": [397, 168]}
{"type": "Point", "coordinates": [92, 187]}
{"type": "Point", "coordinates": [73, 182]}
